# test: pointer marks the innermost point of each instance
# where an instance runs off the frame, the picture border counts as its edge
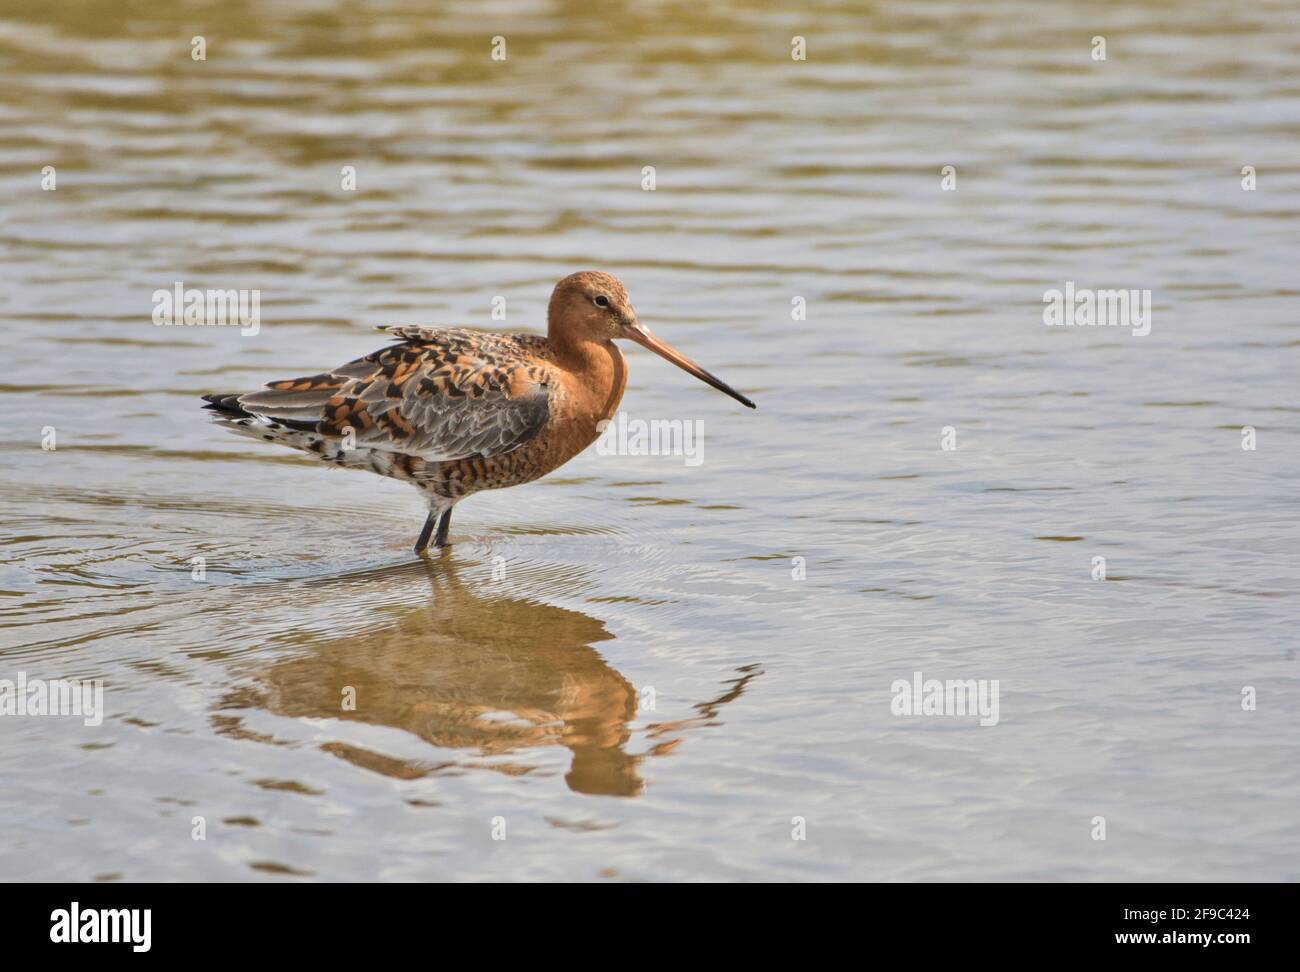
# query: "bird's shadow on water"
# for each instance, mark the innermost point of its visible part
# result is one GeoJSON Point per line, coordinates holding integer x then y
{"type": "Point", "coordinates": [467, 669]}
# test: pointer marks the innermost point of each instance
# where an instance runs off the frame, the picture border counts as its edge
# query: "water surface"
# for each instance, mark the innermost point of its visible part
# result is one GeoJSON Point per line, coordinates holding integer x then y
{"type": "Point", "coordinates": [644, 669]}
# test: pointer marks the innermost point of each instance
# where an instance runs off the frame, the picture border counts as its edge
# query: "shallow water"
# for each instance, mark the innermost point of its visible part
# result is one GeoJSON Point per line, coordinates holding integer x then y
{"type": "Point", "coordinates": [621, 664]}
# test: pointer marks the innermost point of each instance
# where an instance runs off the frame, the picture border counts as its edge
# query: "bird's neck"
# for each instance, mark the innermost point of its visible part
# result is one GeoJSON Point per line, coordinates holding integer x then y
{"type": "Point", "coordinates": [600, 372]}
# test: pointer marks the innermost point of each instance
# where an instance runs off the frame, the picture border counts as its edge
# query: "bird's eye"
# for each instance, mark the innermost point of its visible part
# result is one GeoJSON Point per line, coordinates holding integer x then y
{"type": "Point", "coordinates": [601, 300]}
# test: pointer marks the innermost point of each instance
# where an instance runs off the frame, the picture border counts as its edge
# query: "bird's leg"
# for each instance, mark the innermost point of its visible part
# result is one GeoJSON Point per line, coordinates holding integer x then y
{"type": "Point", "coordinates": [444, 525]}
{"type": "Point", "coordinates": [422, 543]}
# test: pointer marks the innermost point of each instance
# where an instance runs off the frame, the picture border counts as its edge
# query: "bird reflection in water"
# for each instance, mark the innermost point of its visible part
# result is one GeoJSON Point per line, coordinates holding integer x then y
{"type": "Point", "coordinates": [467, 669]}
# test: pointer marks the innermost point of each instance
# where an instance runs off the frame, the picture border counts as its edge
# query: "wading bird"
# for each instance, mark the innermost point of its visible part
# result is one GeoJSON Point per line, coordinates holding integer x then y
{"type": "Point", "coordinates": [455, 411]}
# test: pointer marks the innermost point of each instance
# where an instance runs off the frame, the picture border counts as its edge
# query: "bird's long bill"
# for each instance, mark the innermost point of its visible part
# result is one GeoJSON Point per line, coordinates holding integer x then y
{"type": "Point", "coordinates": [641, 335]}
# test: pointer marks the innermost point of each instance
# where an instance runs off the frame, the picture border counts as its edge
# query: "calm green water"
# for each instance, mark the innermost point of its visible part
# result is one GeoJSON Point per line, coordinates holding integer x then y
{"type": "Point", "coordinates": [644, 669]}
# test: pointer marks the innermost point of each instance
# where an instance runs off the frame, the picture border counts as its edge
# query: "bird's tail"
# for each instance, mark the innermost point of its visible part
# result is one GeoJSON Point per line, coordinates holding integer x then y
{"type": "Point", "coordinates": [305, 437]}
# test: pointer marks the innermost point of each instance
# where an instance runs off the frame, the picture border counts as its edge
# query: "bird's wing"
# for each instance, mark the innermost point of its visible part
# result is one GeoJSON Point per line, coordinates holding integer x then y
{"type": "Point", "coordinates": [438, 393]}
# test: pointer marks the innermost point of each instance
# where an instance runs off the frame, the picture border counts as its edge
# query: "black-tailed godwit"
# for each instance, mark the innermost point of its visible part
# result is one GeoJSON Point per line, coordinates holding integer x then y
{"type": "Point", "coordinates": [455, 411]}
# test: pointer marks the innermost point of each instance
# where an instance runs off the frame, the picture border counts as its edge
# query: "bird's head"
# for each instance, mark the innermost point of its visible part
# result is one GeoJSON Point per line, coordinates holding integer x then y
{"type": "Point", "coordinates": [594, 306]}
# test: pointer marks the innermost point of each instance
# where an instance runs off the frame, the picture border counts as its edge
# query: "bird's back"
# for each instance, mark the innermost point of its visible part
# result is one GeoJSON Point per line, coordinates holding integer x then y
{"type": "Point", "coordinates": [434, 396]}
